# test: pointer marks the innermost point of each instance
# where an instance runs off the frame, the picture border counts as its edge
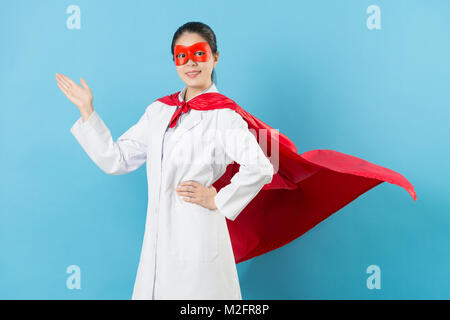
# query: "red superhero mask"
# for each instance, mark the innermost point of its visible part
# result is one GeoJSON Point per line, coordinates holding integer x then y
{"type": "Point", "coordinates": [200, 51]}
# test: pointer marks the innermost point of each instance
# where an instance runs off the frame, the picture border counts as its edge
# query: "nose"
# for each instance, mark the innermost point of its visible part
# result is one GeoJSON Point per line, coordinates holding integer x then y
{"type": "Point", "coordinates": [190, 61]}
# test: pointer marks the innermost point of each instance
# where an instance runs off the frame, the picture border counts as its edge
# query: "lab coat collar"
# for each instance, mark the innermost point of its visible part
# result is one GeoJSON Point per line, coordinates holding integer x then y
{"type": "Point", "coordinates": [194, 118]}
{"type": "Point", "coordinates": [211, 88]}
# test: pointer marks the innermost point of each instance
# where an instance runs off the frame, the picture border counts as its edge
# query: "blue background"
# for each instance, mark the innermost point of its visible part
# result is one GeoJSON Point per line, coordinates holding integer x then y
{"type": "Point", "coordinates": [311, 69]}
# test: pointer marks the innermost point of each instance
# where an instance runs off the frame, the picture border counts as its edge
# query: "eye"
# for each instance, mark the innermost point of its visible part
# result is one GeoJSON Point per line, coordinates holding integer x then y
{"type": "Point", "coordinates": [181, 55]}
{"type": "Point", "coordinates": [202, 53]}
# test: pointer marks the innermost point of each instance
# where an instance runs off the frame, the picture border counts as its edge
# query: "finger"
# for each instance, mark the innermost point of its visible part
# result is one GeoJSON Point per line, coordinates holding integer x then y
{"type": "Point", "coordinates": [64, 90]}
{"type": "Point", "coordinates": [84, 84]}
{"type": "Point", "coordinates": [190, 199]}
{"type": "Point", "coordinates": [69, 81]}
{"type": "Point", "coordinates": [186, 194]}
{"type": "Point", "coordinates": [186, 188]}
{"type": "Point", "coordinates": [63, 79]}
{"type": "Point", "coordinates": [67, 91]}
{"type": "Point", "coordinates": [63, 84]}
{"type": "Point", "coordinates": [189, 183]}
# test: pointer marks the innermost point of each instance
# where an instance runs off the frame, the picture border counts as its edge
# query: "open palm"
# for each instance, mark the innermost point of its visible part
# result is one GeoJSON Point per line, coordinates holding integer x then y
{"type": "Point", "coordinates": [80, 96]}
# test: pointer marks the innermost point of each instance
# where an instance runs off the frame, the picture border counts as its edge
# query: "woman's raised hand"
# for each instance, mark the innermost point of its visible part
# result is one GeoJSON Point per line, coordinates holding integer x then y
{"type": "Point", "coordinates": [80, 96]}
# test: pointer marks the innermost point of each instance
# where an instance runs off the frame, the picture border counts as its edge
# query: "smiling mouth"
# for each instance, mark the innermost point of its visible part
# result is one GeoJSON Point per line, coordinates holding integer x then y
{"type": "Point", "coordinates": [193, 74]}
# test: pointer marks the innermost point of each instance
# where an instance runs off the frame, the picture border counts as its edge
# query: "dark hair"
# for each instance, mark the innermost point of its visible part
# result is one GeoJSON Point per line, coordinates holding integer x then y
{"type": "Point", "coordinates": [204, 31]}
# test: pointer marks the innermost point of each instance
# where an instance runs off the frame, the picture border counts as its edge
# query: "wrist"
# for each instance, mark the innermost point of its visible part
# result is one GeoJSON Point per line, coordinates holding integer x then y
{"type": "Point", "coordinates": [85, 114]}
{"type": "Point", "coordinates": [214, 198]}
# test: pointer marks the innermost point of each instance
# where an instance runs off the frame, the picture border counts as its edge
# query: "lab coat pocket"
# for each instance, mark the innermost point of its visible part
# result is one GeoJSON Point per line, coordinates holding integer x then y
{"type": "Point", "coordinates": [195, 234]}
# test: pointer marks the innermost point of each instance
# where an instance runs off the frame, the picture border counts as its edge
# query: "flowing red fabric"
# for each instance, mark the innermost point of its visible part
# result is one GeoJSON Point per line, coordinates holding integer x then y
{"type": "Point", "coordinates": [305, 190]}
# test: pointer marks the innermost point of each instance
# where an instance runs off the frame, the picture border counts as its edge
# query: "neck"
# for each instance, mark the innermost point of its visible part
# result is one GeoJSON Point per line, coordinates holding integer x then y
{"type": "Point", "coordinates": [193, 91]}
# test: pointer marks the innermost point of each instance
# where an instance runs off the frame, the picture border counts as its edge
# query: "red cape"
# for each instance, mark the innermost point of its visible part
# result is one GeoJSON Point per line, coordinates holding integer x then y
{"type": "Point", "coordinates": [306, 189]}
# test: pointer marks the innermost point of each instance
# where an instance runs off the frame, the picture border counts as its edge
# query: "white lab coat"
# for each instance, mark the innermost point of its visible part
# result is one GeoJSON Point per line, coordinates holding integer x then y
{"type": "Point", "coordinates": [186, 251]}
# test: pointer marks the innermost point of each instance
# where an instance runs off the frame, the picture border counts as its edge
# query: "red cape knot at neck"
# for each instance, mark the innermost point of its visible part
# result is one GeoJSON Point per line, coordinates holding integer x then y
{"type": "Point", "coordinates": [306, 188]}
{"type": "Point", "coordinates": [183, 108]}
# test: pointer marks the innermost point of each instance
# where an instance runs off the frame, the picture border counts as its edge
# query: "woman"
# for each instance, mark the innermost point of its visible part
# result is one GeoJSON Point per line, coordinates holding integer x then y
{"type": "Point", "coordinates": [186, 252]}
{"type": "Point", "coordinates": [215, 198]}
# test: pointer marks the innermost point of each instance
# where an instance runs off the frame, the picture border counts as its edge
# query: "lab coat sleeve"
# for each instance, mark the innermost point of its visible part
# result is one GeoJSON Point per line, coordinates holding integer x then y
{"type": "Point", "coordinates": [255, 169]}
{"type": "Point", "coordinates": [124, 155]}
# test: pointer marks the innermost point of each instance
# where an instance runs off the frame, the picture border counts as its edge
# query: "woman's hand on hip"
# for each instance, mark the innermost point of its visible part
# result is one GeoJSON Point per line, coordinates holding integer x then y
{"type": "Point", "coordinates": [195, 192]}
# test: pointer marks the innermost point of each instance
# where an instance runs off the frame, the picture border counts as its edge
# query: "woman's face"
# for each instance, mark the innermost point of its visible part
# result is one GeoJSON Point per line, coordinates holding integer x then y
{"type": "Point", "coordinates": [194, 73]}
